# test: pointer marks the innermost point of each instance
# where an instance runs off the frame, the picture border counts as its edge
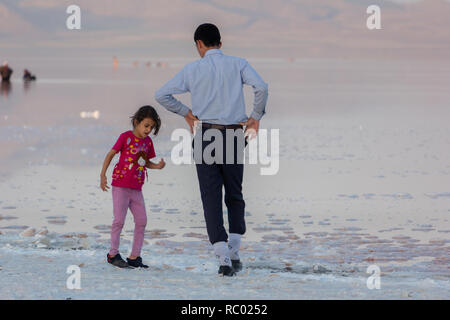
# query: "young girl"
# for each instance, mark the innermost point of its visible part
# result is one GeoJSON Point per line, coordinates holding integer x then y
{"type": "Point", "coordinates": [136, 149]}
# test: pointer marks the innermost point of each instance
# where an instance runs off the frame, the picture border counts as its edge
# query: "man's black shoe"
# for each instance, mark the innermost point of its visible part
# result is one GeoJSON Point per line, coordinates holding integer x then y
{"type": "Point", "coordinates": [117, 261]}
{"type": "Point", "coordinates": [237, 265]}
{"type": "Point", "coordinates": [137, 263]}
{"type": "Point", "coordinates": [226, 271]}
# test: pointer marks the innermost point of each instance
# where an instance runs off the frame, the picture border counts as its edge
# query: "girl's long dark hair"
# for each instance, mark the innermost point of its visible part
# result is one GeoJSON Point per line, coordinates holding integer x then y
{"type": "Point", "coordinates": [147, 112]}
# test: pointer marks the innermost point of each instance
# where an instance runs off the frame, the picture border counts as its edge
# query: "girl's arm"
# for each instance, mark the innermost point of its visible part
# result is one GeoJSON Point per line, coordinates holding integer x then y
{"type": "Point", "coordinates": [106, 162]}
{"type": "Point", "coordinates": [151, 165]}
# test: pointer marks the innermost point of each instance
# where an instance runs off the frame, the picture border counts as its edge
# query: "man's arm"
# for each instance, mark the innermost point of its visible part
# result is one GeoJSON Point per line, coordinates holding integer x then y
{"type": "Point", "coordinates": [260, 89]}
{"type": "Point", "coordinates": [176, 85]}
{"type": "Point", "coordinates": [164, 96]}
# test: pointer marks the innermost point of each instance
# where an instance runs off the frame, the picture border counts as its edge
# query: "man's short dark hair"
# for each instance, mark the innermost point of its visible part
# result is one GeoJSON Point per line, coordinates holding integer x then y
{"type": "Point", "coordinates": [208, 33]}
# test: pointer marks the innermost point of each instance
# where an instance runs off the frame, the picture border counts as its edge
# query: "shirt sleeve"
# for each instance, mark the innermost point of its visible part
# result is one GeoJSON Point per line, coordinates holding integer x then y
{"type": "Point", "coordinates": [119, 143]}
{"type": "Point", "coordinates": [260, 89]}
{"type": "Point", "coordinates": [178, 84]}
{"type": "Point", "coordinates": [151, 150]}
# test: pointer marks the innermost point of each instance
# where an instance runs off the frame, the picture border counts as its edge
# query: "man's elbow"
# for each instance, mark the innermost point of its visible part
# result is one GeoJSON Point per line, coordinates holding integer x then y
{"type": "Point", "coordinates": [263, 88]}
{"type": "Point", "coordinates": [159, 96]}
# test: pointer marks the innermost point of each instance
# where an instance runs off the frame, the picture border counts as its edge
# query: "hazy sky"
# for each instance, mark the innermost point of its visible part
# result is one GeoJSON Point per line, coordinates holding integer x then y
{"type": "Point", "coordinates": [265, 28]}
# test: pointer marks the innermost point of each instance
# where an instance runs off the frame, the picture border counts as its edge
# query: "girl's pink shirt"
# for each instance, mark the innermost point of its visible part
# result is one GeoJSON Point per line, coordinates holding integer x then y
{"type": "Point", "coordinates": [126, 173]}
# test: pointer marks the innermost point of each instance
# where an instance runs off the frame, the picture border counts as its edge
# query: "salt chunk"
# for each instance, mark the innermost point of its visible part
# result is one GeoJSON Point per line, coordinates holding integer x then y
{"type": "Point", "coordinates": [84, 244]}
{"type": "Point", "coordinates": [30, 232]}
{"type": "Point", "coordinates": [319, 269]}
{"type": "Point", "coordinates": [43, 232]}
{"type": "Point", "coordinates": [44, 241]}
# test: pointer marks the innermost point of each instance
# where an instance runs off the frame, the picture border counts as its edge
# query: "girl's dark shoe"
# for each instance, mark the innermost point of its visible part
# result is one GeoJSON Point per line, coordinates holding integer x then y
{"type": "Point", "coordinates": [117, 261]}
{"type": "Point", "coordinates": [137, 263]}
{"type": "Point", "coordinates": [226, 271]}
{"type": "Point", "coordinates": [237, 265]}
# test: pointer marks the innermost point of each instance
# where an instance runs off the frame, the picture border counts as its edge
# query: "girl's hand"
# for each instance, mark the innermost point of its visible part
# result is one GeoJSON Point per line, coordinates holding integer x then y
{"type": "Point", "coordinates": [161, 164]}
{"type": "Point", "coordinates": [103, 184]}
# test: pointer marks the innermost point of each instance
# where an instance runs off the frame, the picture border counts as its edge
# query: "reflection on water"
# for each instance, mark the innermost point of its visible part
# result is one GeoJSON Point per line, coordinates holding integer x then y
{"type": "Point", "coordinates": [27, 84]}
{"type": "Point", "coordinates": [5, 88]}
{"type": "Point", "coordinates": [42, 122]}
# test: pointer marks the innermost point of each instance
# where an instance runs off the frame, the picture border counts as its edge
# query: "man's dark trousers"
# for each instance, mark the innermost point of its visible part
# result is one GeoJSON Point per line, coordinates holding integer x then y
{"type": "Point", "coordinates": [212, 178]}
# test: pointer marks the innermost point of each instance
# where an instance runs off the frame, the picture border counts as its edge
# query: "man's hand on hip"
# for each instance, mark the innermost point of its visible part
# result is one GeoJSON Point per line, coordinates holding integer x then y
{"type": "Point", "coordinates": [191, 119]}
{"type": "Point", "coordinates": [251, 127]}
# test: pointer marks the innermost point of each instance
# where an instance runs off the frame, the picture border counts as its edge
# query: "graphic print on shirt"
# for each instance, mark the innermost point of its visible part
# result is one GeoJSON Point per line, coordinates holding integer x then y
{"type": "Point", "coordinates": [131, 169]}
{"type": "Point", "coordinates": [140, 162]}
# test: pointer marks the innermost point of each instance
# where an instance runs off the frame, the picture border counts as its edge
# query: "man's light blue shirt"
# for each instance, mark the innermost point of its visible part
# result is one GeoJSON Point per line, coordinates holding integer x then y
{"type": "Point", "coordinates": [216, 86]}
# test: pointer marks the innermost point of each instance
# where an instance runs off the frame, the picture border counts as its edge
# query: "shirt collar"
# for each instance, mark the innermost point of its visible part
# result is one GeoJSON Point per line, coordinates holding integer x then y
{"type": "Point", "coordinates": [212, 51]}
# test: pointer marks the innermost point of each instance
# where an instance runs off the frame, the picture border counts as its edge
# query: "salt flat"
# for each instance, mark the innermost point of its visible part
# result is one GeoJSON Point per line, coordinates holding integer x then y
{"type": "Point", "coordinates": [363, 180]}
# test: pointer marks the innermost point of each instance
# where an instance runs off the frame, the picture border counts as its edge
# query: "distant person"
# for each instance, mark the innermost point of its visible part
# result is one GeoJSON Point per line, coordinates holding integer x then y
{"type": "Point", "coordinates": [27, 76]}
{"type": "Point", "coordinates": [115, 62]}
{"type": "Point", "coordinates": [136, 149]}
{"type": "Point", "coordinates": [216, 85]}
{"type": "Point", "coordinates": [5, 71]}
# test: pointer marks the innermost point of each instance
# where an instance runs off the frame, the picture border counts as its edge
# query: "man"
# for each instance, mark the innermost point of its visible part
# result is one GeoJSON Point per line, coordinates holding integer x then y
{"type": "Point", "coordinates": [215, 83]}
{"type": "Point", "coordinates": [5, 71]}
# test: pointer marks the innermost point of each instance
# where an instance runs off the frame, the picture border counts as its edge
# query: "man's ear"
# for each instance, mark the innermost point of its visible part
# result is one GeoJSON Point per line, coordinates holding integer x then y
{"type": "Point", "coordinates": [220, 45]}
{"type": "Point", "coordinates": [199, 43]}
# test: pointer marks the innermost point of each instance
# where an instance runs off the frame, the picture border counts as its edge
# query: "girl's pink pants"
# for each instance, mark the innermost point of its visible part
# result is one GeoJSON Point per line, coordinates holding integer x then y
{"type": "Point", "coordinates": [124, 198]}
